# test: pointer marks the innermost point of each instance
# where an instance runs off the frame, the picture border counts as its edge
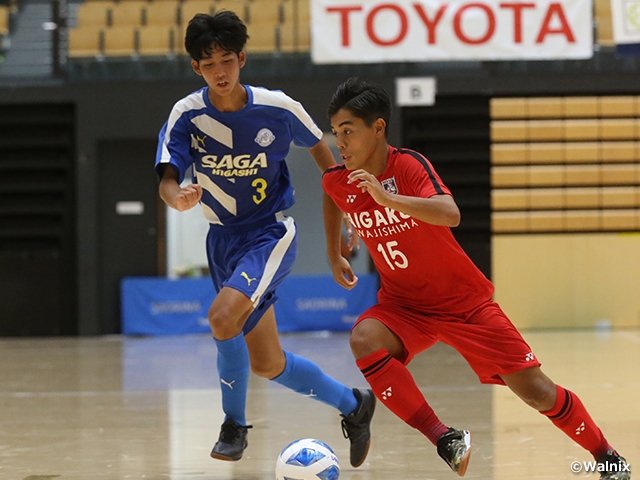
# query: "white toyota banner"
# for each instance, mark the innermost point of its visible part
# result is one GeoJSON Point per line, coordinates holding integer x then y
{"type": "Point", "coordinates": [371, 31]}
{"type": "Point", "coordinates": [626, 21]}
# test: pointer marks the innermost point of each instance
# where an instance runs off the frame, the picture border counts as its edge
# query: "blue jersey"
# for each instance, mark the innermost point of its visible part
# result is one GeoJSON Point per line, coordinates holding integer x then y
{"type": "Point", "coordinates": [238, 157]}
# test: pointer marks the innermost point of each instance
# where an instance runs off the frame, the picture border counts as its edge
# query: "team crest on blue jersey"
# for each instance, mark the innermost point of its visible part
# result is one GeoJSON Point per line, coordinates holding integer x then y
{"type": "Point", "coordinates": [389, 185]}
{"type": "Point", "coordinates": [265, 137]}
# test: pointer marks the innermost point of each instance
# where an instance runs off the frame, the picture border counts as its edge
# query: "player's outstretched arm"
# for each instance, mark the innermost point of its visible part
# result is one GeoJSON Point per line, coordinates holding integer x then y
{"type": "Point", "coordinates": [176, 197]}
{"type": "Point", "coordinates": [322, 155]}
{"type": "Point", "coordinates": [436, 210]}
{"type": "Point", "coordinates": [342, 272]}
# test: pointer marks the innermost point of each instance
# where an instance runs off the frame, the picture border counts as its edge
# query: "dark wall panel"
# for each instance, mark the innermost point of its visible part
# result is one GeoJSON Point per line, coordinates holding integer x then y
{"type": "Point", "coordinates": [454, 135]}
{"type": "Point", "coordinates": [128, 227]}
{"type": "Point", "coordinates": [38, 292]}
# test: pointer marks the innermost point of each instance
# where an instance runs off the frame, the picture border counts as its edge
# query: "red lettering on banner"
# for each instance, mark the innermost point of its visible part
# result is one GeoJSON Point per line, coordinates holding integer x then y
{"type": "Point", "coordinates": [344, 21]}
{"type": "Point", "coordinates": [457, 24]}
{"type": "Point", "coordinates": [564, 29]}
{"type": "Point", "coordinates": [517, 18]}
{"type": "Point", "coordinates": [429, 23]}
{"type": "Point", "coordinates": [555, 21]}
{"type": "Point", "coordinates": [404, 24]}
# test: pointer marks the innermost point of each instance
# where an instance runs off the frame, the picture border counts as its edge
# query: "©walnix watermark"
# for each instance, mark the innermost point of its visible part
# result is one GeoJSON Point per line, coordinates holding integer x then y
{"type": "Point", "coordinates": [595, 467]}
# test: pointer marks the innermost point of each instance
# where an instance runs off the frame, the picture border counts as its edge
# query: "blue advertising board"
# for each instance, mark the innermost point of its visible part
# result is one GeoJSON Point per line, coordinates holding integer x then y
{"type": "Point", "coordinates": [161, 306]}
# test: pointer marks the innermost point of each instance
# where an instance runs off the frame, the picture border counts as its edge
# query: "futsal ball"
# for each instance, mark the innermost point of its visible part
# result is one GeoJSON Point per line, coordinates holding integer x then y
{"type": "Point", "coordinates": [307, 459]}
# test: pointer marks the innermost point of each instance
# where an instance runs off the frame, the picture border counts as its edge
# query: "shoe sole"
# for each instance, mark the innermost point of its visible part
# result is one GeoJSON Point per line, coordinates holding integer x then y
{"type": "Point", "coordinates": [364, 457]}
{"type": "Point", "coordinates": [462, 469]}
{"type": "Point", "coordinates": [217, 456]}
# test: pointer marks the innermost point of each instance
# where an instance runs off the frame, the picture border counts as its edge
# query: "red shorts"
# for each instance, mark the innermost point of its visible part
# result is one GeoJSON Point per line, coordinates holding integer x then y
{"type": "Point", "coordinates": [485, 337]}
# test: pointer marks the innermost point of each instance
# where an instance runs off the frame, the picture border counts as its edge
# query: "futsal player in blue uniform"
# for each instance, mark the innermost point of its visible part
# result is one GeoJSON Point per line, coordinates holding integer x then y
{"type": "Point", "coordinates": [236, 138]}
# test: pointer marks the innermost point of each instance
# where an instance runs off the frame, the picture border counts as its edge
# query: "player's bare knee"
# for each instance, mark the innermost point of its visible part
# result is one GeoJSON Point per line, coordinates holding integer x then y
{"type": "Point", "coordinates": [362, 344]}
{"type": "Point", "coordinates": [222, 325]}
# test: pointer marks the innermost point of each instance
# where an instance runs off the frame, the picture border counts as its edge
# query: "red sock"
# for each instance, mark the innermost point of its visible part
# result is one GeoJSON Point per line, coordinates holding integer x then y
{"type": "Point", "coordinates": [394, 386]}
{"type": "Point", "coordinates": [570, 416]}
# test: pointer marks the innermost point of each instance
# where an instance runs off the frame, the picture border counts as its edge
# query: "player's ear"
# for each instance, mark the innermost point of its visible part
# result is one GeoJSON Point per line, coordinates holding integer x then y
{"type": "Point", "coordinates": [242, 58]}
{"type": "Point", "coordinates": [380, 127]}
{"type": "Point", "coordinates": [196, 67]}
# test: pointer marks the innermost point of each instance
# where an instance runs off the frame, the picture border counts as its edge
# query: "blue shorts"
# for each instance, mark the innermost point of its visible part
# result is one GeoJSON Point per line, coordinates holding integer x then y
{"type": "Point", "coordinates": [253, 262]}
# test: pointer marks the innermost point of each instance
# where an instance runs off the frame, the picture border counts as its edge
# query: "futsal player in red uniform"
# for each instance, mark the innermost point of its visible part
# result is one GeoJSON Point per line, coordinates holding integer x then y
{"type": "Point", "coordinates": [430, 289]}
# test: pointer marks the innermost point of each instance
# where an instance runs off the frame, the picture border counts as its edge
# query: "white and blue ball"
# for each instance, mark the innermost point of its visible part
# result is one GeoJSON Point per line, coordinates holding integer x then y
{"type": "Point", "coordinates": [307, 459]}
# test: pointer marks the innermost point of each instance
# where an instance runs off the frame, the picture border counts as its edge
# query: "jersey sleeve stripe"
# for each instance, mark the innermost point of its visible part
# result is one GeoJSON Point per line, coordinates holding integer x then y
{"type": "Point", "coordinates": [272, 98]}
{"type": "Point", "coordinates": [190, 102]}
{"type": "Point", "coordinates": [427, 167]}
{"type": "Point", "coordinates": [216, 130]}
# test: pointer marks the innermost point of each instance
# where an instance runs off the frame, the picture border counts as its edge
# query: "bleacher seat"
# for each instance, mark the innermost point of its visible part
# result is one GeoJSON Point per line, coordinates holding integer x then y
{"type": "Point", "coordinates": [266, 26]}
{"type": "Point", "coordinates": [620, 106]}
{"type": "Point", "coordinates": [505, 108]}
{"type": "Point", "coordinates": [546, 221]}
{"type": "Point", "coordinates": [240, 7]}
{"type": "Point", "coordinates": [620, 151]}
{"type": "Point", "coordinates": [4, 20]}
{"type": "Point", "coordinates": [158, 40]}
{"type": "Point", "coordinates": [190, 8]}
{"type": "Point", "coordinates": [545, 107]}
{"type": "Point", "coordinates": [582, 152]}
{"type": "Point", "coordinates": [119, 41]}
{"type": "Point", "coordinates": [545, 130]}
{"type": "Point", "coordinates": [165, 12]}
{"type": "Point", "coordinates": [581, 130]}
{"type": "Point", "coordinates": [604, 22]}
{"type": "Point", "coordinates": [262, 38]}
{"type": "Point", "coordinates": [127, 13]}
{"type": "Point", "coordinates": [94, 14]}
{"type": "Point", "coordinates": [581, 107]}
{"type": "Point", "coordinates": [84, 42]}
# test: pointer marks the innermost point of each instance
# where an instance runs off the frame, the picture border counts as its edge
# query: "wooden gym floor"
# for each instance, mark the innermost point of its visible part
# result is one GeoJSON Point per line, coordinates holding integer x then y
{"type": "Point", "coordinates": [149, 408]}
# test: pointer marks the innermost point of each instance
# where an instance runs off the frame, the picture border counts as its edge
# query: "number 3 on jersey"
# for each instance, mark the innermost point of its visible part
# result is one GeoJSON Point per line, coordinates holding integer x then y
{"type": "Point", "coordinates": [260, 184]}
{"type": "Point", "coordinates": [390, 255]}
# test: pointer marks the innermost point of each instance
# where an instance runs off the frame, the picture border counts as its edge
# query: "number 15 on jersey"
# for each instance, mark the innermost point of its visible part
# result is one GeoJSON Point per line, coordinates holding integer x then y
{"type": "Point", "coordinates": [393, 257]}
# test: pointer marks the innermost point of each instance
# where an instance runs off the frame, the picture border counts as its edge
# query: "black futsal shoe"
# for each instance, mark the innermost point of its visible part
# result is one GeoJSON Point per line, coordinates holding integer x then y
{"type": "Point", "coordinates": [232, 441]}
{"type": "Point", "coordinates": [613, 467]}
{"type": "Point", "coordinates": [355, 426]}
{"type": "Point", "coordinates": [455, 448]}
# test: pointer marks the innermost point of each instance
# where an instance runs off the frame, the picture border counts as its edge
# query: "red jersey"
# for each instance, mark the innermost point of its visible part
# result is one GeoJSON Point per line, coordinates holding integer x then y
{"type": "Point", "coordinates": [421, 266]}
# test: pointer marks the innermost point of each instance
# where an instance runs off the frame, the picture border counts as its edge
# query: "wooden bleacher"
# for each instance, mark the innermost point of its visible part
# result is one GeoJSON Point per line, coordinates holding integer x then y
{"type": "Point", "coordinates": [273, 25]}
{"type": "Point", "coordinates": [4, 20]}
{"type": "Point", "coordinates": [565, 164]}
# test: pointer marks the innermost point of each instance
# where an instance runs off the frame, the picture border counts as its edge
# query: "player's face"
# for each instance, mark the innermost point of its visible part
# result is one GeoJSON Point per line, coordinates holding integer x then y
{"type": "Point", "coordinates": [221, 70]}
{"type": "Point", "coordinates": [356, 141]}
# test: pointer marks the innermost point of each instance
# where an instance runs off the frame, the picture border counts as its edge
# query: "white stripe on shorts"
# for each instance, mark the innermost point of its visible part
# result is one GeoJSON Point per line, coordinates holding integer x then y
{"type": "Point", "coordinates": [275, 259]}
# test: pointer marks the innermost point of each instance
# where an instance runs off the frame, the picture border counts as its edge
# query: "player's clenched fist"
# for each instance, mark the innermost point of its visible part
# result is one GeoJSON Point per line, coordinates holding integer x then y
{"type": "Point", "coordinates": [188, 197]}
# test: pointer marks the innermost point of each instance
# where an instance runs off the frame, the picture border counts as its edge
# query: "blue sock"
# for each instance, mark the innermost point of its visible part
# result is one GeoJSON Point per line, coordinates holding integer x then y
{"type": "Point", "coordinates": [233, 368]}
{"type": "Point", "coordinates": [305, 377]}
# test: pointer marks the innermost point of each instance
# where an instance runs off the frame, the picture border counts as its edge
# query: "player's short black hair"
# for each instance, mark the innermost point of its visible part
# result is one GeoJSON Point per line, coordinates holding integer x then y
{"type": "Point", "coordinates": [366, 101]}
{"type": "Point", "coordinates": [223, 30]}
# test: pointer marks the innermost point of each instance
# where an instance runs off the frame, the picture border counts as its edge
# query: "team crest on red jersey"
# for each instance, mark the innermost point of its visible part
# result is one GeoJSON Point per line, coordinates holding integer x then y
{"type": "Point", "coordinates": [389, 185]}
